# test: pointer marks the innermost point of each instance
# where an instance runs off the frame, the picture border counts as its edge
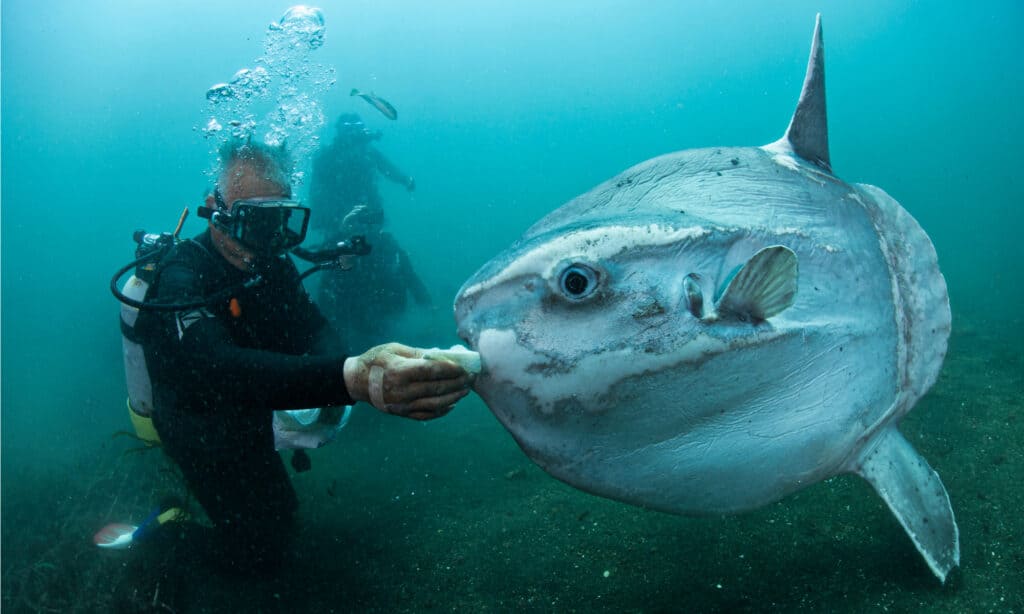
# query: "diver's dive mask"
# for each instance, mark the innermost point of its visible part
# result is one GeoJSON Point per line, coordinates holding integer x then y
{"type": "Point", "coordinates": [356, 131]}
{"type": "Point", "coordinates": [267, 227]}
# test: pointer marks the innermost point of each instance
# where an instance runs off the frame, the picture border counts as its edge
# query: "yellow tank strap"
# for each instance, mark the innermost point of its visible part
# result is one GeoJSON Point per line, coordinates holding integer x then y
{"type": "Point", "coordinates": [143, 426]}
{"type": "Point", "coordinates": [172, 515]}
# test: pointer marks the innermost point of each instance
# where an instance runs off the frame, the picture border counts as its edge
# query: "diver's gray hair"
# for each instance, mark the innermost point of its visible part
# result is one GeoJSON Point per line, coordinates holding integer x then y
{"type": "Point", "coordinates": [274, 163]}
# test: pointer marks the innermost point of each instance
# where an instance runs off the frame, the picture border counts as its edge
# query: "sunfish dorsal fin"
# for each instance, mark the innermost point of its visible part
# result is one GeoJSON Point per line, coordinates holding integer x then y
{"type": "Point", "coordinates": [763, 287]}
{"type": "Point", "coordinates": [807, 134]}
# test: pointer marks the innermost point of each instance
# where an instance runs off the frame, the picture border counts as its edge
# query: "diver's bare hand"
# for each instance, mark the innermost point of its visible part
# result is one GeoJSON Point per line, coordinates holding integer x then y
{"type": "Point", "coordinates": [396, 379]}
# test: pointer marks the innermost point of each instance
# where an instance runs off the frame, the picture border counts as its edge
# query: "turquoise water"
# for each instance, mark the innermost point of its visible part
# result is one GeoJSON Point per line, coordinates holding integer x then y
{"type": "Point", "coordinates": [507, 110]}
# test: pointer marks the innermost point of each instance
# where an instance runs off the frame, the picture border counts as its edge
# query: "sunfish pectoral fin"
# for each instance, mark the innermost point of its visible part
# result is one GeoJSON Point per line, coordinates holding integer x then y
{"type": "Point", "coordinates": [915, 494]}
{"type": "Point", "coordinates": [763, 287]}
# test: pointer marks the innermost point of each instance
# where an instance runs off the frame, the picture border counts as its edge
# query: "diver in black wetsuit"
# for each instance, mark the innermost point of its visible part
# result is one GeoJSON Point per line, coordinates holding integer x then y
{"type": "Point", "coordinates": [363, 302]}
{"type": "Point", "coordinates": [218, 371]}
{"type": "Point", "coordinates": [345, 177]}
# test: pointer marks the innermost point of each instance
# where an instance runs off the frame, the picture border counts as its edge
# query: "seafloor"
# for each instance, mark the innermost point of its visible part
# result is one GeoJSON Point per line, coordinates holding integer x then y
{"type": "Point", "coordinates": [451, 516]}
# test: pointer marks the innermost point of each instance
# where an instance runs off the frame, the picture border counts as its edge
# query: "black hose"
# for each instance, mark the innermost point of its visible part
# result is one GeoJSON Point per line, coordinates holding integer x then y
{"type": "Point", "coordinates": [314, 269]}
{"type": "Point", "coordinates": [355, 246]}
{"type": "Point", "coordinates": [120, 273]}
{"type": "Point", "coordinates": [144, 306]}
{"type": "Point", "coordinates": [322, 259]}
{"type": "Point", "coordinates": [329, 257]}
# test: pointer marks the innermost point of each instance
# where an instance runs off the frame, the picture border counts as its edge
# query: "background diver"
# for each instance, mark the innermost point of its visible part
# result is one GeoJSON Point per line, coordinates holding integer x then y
{"type": "Point", "coordinates": [364, 301]}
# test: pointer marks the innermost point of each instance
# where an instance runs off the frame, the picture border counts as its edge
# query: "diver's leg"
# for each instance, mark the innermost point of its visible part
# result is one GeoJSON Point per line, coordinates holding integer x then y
{"type": "Point", "coordinates": [249, 498]}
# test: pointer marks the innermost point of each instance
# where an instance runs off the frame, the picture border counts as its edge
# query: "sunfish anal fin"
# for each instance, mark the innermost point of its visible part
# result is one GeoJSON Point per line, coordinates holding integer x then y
{"type": "Point", "coordinates": [916, 496]}
{"type": "Point", "coordinates": [763, 287]}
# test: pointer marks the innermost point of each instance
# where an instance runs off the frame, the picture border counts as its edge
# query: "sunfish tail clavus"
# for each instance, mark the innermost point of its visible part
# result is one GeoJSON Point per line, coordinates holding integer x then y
{"type": "Point", "coordinates": [716, 328]}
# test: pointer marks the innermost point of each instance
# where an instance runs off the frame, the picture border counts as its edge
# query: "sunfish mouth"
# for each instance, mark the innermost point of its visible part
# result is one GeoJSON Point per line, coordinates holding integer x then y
{"type": "Point", "coordinates": [466, 327]}
{"type": "Point", "coordinates": [462, 356]}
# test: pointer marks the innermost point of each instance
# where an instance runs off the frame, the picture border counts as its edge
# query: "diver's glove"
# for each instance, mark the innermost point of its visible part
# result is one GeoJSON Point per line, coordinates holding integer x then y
{"type": "Point", "coordinates": [398, 379]}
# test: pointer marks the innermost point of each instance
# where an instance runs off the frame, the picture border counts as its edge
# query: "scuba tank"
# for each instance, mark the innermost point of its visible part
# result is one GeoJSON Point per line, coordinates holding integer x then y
{"type": "Point", "coordinates": [150, 249]}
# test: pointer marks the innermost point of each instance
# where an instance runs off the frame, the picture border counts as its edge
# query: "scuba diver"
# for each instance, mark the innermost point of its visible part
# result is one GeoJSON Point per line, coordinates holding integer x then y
{"type": "Point", "coordinates": [229, 335]}
{"type": "Point", "coordinates": [362, 302]}
{"type": "Point", "coordinates": [345, 176]}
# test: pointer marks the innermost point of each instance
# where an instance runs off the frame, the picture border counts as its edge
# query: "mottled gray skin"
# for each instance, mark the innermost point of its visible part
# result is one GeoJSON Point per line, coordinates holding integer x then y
{"type": "Point", "coordinates": [811, 381]}
{"type": "Point", "coordinates": [628, 394]}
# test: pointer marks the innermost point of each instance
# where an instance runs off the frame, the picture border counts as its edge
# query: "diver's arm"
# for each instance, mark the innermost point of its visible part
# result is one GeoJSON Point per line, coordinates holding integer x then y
{"type": "Point", "coordinates": [202, 351]}
{"type": "Point", "coordinates": [260, 379]}
{"type": "Point", "coordinates": [388, 169]}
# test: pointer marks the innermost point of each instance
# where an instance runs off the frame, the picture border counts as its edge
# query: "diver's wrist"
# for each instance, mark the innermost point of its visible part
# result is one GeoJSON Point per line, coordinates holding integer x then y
{"type": "Point", "coordinates": [355, 381]}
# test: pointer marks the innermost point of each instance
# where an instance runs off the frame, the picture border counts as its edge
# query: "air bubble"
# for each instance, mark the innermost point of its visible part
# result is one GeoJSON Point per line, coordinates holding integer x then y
{"type": "Point", "coordinates": [251, 83]}
{"type": "Point", "coordinates": [212, 127]}
{"type": "Point", "coordinates": [218, 92]}
{"type": "Point", "coordinates": [278, 94]}
{"type": "Point", "coordinates": [301, 25]}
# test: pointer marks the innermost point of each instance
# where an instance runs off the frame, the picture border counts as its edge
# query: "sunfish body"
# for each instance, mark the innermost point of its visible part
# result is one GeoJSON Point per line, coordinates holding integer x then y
{"type": "Point", "coordinates": [716, 328]}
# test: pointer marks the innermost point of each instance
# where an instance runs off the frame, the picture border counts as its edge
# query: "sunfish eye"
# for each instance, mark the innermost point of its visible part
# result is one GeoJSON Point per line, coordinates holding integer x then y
{"type": "Point", "coordinates": [578, 281]}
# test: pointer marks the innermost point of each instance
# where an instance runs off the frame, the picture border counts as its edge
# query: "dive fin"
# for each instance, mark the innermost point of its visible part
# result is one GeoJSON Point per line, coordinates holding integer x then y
{"type": "Point", "coordinates": [916, 496]}
{"type": "Point", "coordinates": [807, 134]}
{"type": "Point", "coordinates": [763, 287]}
